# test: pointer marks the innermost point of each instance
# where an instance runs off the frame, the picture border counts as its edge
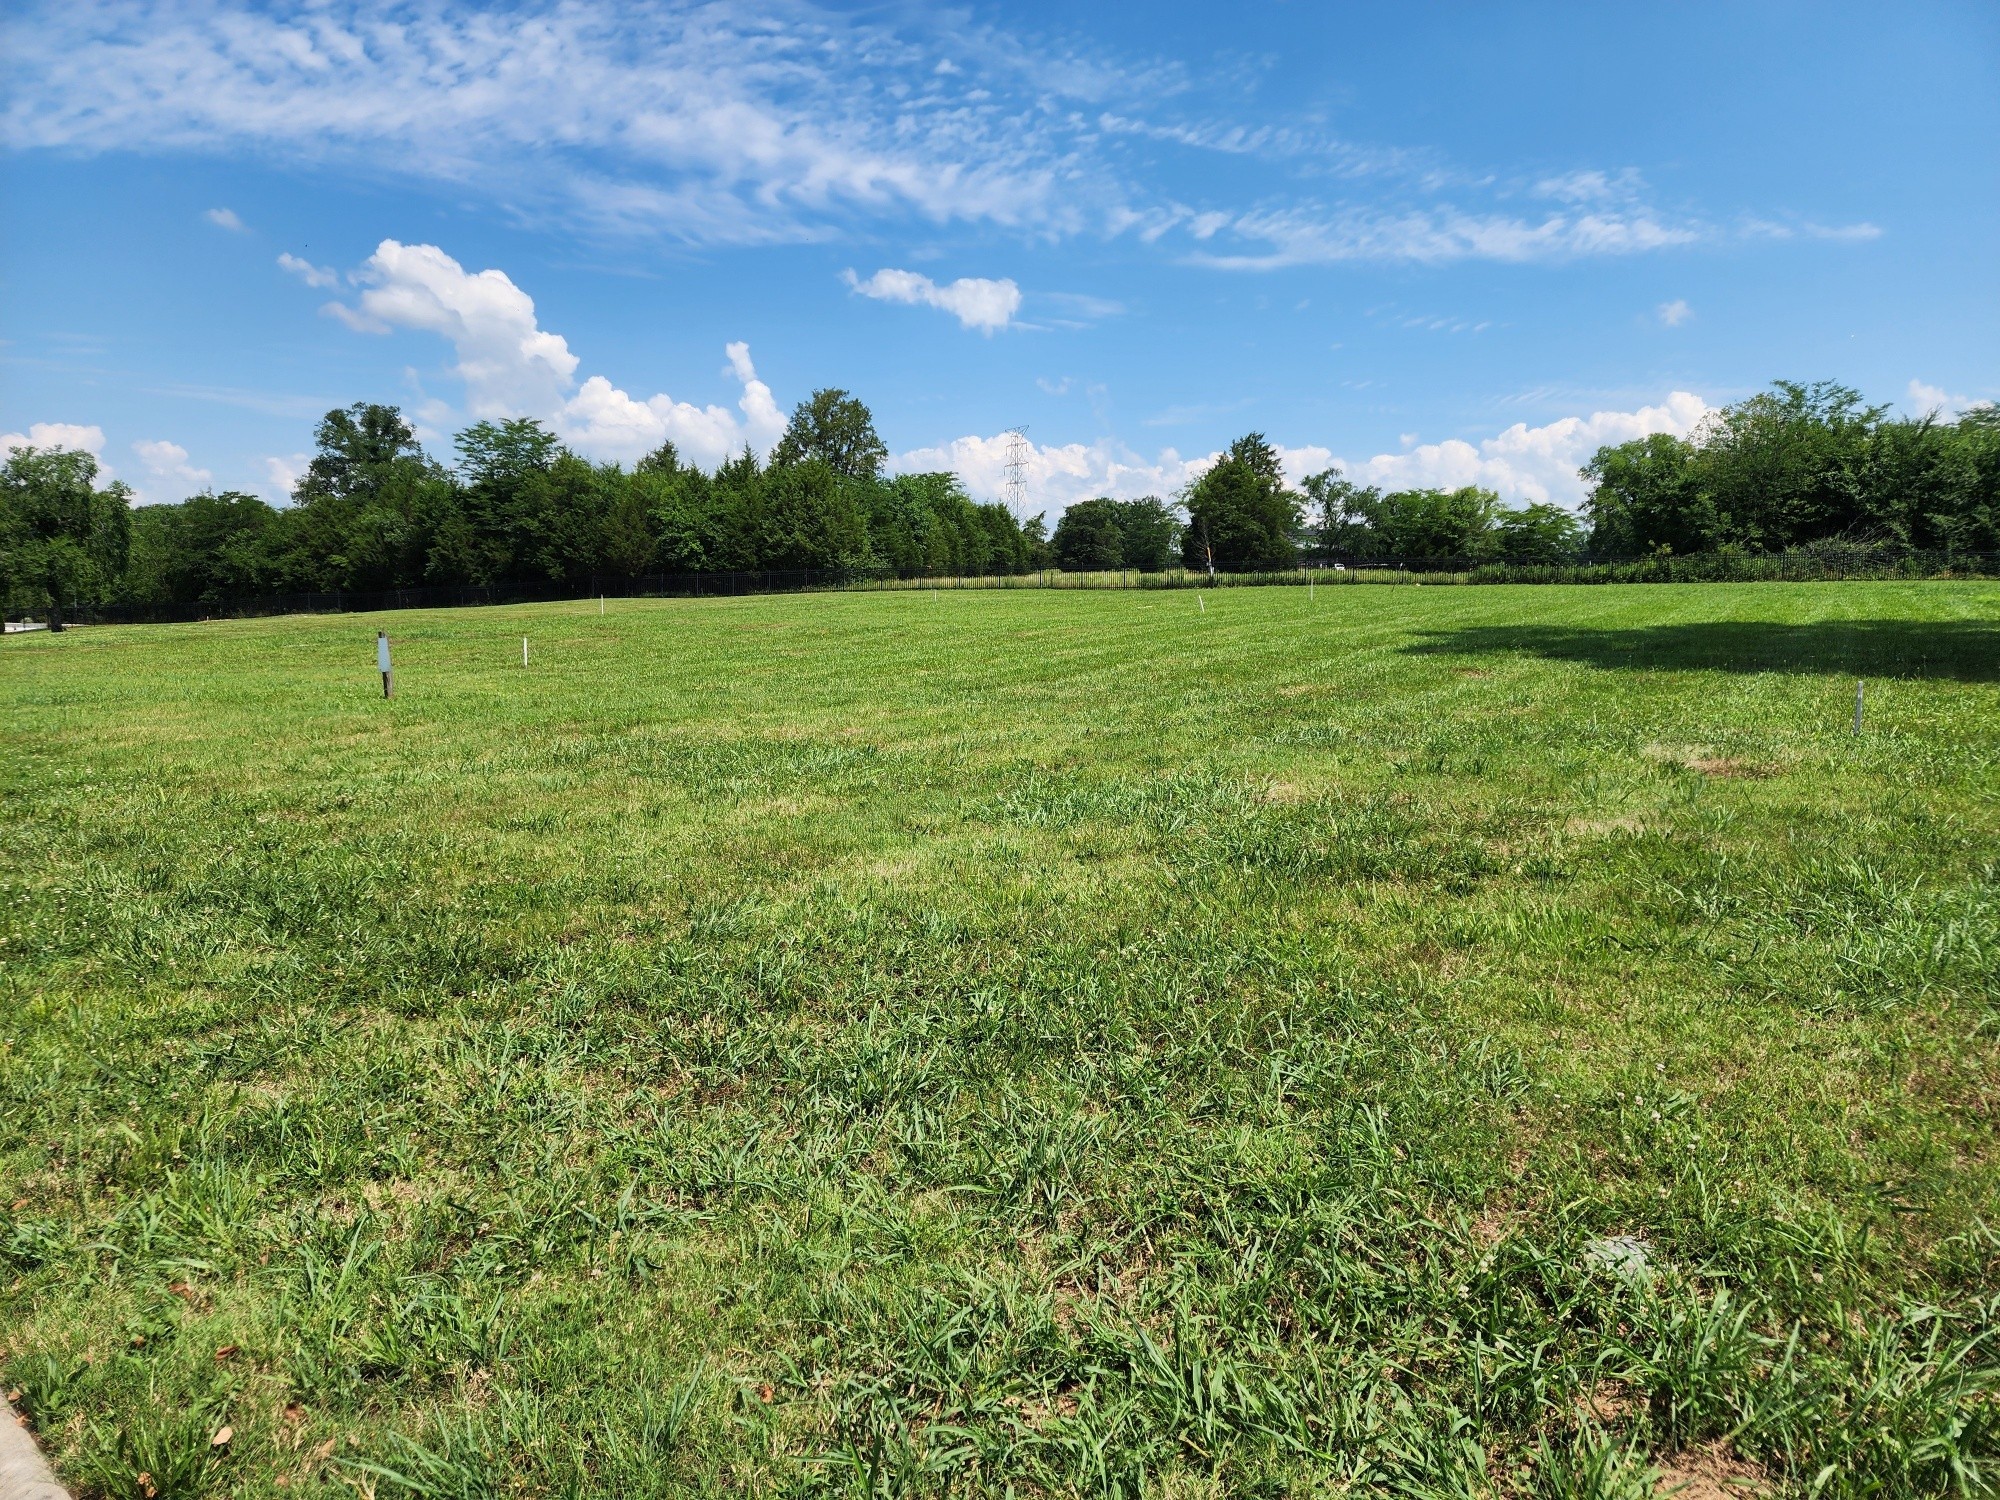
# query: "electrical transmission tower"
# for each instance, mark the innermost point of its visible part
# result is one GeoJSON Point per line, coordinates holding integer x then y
{"type": "Point", "coordinates": [1014, 487]}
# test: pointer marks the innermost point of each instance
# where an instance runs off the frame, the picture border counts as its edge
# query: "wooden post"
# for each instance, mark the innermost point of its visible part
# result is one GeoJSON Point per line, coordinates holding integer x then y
{"type": "Point", "coordinates": [382, 661]}
{"type": "Point", "coordinates": [1859, 688]}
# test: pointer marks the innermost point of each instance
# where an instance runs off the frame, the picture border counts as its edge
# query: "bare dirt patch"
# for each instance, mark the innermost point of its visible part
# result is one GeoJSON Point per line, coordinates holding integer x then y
{"type": "Point", "coordinates": [1282, 791]}
{"type": "Point", "coordinates": [1711, 1472]}
{"type": "Point", "coordinates": [1705, 760]}
{"type": "Point", "coordinates": [1610, 1401]}
{"type": "Point", "coordinates": [1723, 765]}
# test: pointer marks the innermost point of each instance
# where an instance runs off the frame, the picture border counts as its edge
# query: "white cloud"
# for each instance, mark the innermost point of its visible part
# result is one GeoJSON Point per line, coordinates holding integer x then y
{"type": "Point", "coordinates": [765, 121]}
{"type": "Point", "coordinates": [225, 218]}
{"type": "Point", "coordinates": [1057, 476]}
{"type": "Point", "coordinates": [169, 475]}
{"type": "Point", "coordinates": [512, 367]}
{"type": "Point", "coordinates": [1925, 399]}
{"type": "Point", "coordinates": [1524, 463]}
{"type": "Point", "coordinates": [1675, 313]}
{"type": "Point", "coordinates": [1306, 235]}
{"type": "Point", "coordinates": [746, 123]}
{"type": "Point", "coordinates": [974, 300]}
{"type": "Point", "coordinates": [56, 435]}
{"type": "Point", "coordinates": [1060, 475]}
{"type": "Point", "coordinates": [1929, 398]}
{"type": "Point", "coordinates": [604, 421]}
{"type": "Point", "coordinates": [280, 475]}
{"type": "Point", "coordinates": [1591, 187]}
{"type": "Point", "coordinates": [306, 271]}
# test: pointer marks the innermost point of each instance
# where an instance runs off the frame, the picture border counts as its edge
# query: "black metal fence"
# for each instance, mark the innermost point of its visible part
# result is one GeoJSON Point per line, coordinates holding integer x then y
{"type": "Point", "coordinates": [1812, 564]}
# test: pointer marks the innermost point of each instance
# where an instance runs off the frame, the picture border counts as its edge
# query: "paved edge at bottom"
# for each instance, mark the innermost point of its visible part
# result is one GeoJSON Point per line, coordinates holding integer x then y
{"type": "Point", "coordinates": [24, 1473]}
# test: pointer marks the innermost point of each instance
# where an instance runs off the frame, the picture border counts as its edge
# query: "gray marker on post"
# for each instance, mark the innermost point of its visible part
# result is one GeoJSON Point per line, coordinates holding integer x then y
{"type": "Point", "coordinates": [1860, 688]}
{"type": "Point", "coordinates": [382, 659]}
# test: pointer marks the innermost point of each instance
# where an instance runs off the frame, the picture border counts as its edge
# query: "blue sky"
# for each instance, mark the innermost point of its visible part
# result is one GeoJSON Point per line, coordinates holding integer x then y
{"type": "Point", "coordinates": [1432, 243]}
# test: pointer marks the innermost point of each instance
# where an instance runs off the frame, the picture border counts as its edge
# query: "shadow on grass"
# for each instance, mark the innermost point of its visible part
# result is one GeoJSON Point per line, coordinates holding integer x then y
{"type": "Point", "coordinates": [1965, 650]}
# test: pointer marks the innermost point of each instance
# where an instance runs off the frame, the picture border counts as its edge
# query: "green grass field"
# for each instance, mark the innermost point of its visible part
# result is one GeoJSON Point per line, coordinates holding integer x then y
{"type": "Point", "coordinates": [1018, 1042]}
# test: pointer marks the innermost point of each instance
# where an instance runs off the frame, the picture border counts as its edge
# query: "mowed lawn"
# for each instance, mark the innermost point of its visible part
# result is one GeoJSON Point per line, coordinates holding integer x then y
{"type": "Point", "coordinates": [1453, 1040]}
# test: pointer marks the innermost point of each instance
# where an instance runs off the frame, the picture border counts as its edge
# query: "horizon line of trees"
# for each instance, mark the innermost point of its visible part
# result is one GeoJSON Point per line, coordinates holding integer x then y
{"type": "Point", "coordinates": [1789, 467]}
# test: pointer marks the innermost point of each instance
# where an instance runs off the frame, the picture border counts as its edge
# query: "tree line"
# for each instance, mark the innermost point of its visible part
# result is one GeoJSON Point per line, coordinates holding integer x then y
{"type": "Point", "coordinates": [1787, 468]}
{"type": "Point", "coordinates": [1791, 466]}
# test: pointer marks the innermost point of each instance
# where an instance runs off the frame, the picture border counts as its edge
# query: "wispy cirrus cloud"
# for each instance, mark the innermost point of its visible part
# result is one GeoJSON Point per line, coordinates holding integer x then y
{"type": "Point", "coordinates": [1316, 235]}
{"type": "Point", "coordinates": [711, 123]}
{"type": "Point", "coordinates": [770, 121]}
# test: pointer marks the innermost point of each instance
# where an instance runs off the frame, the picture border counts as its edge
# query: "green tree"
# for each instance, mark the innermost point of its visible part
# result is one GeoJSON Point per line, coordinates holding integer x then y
{"type": "Point", "coordinates": [1035, 540]}
{"type": "Point", "coordinates": [837, 430]}
{"type": "Point", "coordinates": [629, 543]}
{"type": "Point", "coordinates": [1089, 535]}
{"type": "Point", "coordinates": [1644, 497]}
{"type": "Point", "coordinates": [1432, 524]}
{"type": "Point", "coordinates": [206, 550]}
{"type": "Point", "coordinates": [1971, 521]}
{"type": "Point", "coordinates": [1786, 466]}
{"type": "Point", "coordinates": [812, 517]}
{"type": "Point", "coordinates": [357, 447]}
{"type": "Point", "coordinates": [1336, 514]}
{"type": "Point", "coordinates": [505, 470]}
{"type": "Point", "coordinates": [1239, 514]}
{"type": "Point", "coordinates": [366, 510]}
{"type": "Point", "coordinates": [1538, 533]}
{"type": "Point", "coordinates": [665, 459]}
{"type": "Point", "coordinates": [63, 541]}
{"type": "Point", "coordinates": [1149, 534]}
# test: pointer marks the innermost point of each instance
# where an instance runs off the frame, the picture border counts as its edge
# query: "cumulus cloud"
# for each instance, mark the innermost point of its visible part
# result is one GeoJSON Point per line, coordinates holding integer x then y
{"type": "Point", "coordinates": [281, 474]}
{"type": "Point", "coordinates": [1059, 475]}
{"type": "Point", "coordinates": [1925, 399]}
{"type": "Point", "coordinates": [1523, 464]}
{"type": "Point", "coordinates": [1528, 464]}
{"type": "Point", "coordinates": [512, 367]}
{"type": "Point", "coordinates": [225, 218]}
{"type": "Point", "coordinates": [312, 275]}
{"type": "Point", "coordinates": [1929, 398]}
{"type": "Point", "coordinates": [1675, 313]}
{"type": "Point", "coordinates": [56, 435]}
{"type": "Point", "coordinates": [974, 300]}
{"type": "Point", "coordinates": [168, 474]}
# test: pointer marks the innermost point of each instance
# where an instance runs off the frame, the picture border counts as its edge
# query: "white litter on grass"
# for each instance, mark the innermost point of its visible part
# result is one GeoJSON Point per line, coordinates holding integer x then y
{"type": "Point", "coordinates": [1623, 1256]}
